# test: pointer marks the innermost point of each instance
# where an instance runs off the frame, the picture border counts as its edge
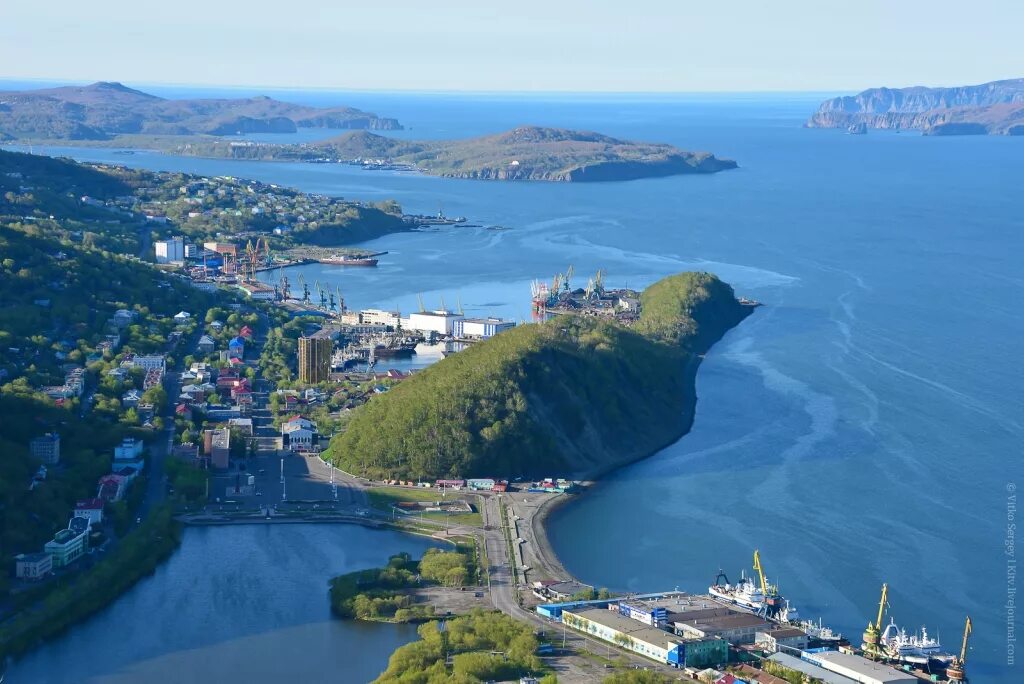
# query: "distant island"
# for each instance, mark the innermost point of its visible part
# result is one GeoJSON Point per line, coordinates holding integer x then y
{"type": "Point", "coordinates": [524, 153]}
{"type": "Point", "coordinates": [995, 108]}
{"type": "Point", "coordinates": [576, 394]}
{"type": "Point", "coordinates": [103, 110]}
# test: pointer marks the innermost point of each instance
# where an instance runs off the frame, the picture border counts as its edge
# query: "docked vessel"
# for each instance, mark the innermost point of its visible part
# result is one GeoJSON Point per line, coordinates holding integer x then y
{"type": "Point", "coordinates": [917, 648]}
{"type": "Point", "coordinates": [348, 260]}
{"type": "Point", "coordinates": [818, 631]}
{"type": "Point", "coordinates": [744, 593]}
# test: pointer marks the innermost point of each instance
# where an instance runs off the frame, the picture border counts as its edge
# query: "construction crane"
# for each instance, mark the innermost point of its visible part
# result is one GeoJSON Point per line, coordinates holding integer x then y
{"type": "Point", "coordinates": [330, 299]}
{"type": "Point", "coordinates": [569, 272]}
{"type": "Point", "coordinates": [588, 292]}
{"type": "Point", "coordinates": [267, 259]}
{"type": "Point", "coordinates": [874, 629]}
{"type": "Point", "coordinates": [443, 307]}
{"type": "Point", "coordinates": [305, 289]}
{"type": "Point", "coordinates": [955, 672]}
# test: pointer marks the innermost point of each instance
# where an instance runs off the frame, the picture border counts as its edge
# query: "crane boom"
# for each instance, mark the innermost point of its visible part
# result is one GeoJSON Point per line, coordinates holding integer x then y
{"type": "Point", "coordinates": [963, 647]}
{"type": "Point", "coordinates": [881, 607]}
{"type": "Point", "coordinates": [760, 572]}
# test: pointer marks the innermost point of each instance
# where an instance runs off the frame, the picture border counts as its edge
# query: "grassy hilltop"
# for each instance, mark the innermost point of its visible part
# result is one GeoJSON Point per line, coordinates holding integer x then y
{"type": "Point", "coordinates": [574, 394]}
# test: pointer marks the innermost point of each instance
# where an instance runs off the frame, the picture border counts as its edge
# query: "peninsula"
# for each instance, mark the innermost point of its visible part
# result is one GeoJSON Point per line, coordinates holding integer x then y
{"type": "Point", "coordinates": [524, 153]}
{"type": "Point", "coordinates": [103, 110]}
{"type": "Point", "coordinates": [538, 398]}
{"type": "Point", "coordinates": [995, 108]}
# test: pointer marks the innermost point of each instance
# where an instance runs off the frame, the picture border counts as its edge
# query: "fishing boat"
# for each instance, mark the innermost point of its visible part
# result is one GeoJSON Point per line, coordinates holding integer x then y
{"type": "Point", "coordinates": [917, 648]}
{"type": "Point", "coordinates": [818, 631]}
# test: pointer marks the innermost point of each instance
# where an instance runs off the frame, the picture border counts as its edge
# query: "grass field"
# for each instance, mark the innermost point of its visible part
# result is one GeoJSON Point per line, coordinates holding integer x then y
{"type": "Point", "coordinates": [383, 498]}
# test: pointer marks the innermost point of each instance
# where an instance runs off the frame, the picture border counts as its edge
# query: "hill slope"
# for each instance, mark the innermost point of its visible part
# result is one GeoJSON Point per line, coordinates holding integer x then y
{"type": "Point", "coordinates": [103, 110]}
{"type": "Point", "coordinates": [531, 153]}
{"type": "Point", "coordinates": [995, 108]}
{"type": "Point", "coordinates": [572, 395]}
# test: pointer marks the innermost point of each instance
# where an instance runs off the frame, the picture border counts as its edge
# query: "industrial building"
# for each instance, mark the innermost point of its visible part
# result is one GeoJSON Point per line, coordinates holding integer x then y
{"type": "Point", "coordinates": [734, 626]}
{"type": "Point", "coordinates": [813, 671]}
{"type": "Point", "coordinates": [657, 644]}
{"type": "Point", "coordinates": [170, 251]}
{"type": "Point", "coordinates": [315, 358]}
{"type": "Point", "coordinates": [441, 322]}
{"type": "Point", "coordinates": [391, 319]}
{"type": "Point", "coordinates": [856, 668]}
{"type": "Point", "coordinates": [788, 637]}
{"type": "Point", "coordinates": [32, 566]}
{"type": "Point", "coordinates": [481, 328]}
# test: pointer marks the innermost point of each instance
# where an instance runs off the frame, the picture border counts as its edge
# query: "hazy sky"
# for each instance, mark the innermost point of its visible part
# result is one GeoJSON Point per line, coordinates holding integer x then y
{"type": "Point", "coordinates": [566, 45]}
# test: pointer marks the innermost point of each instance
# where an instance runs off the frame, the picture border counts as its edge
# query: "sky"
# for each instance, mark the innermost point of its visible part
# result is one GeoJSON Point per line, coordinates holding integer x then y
{"type": "Point", "coordinates": [525, 45]}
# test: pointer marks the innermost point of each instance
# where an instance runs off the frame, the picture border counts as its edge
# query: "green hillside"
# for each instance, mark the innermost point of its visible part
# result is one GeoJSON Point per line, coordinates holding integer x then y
{"type": "Point", "coordinates": [572, 395]}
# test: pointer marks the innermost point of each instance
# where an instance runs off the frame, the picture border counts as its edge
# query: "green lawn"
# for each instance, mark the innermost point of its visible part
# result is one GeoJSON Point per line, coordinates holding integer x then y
{"type": "Point", "coordinates": [383, 498]}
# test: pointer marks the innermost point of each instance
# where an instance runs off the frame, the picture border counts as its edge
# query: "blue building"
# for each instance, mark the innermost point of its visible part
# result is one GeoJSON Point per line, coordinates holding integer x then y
{"type": "Point", "coordinates": [236, 348]}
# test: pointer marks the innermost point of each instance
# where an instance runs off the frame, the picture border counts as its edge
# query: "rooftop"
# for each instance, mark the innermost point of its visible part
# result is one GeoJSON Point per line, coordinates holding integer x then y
{"type": "Point", "coordinates": [820, 673]}
{"type": "Point", "coordinates": [862, 666]}
{"type": "Point", "coordinates": [621, 623]}
{"type": "Point", "coordinates": [90, 504]}
{"type": "Point", "coordinates": [718, 619]}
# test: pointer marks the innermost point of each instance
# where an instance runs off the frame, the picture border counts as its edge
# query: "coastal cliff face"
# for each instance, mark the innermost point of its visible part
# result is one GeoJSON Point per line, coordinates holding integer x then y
{"type": "Point", "coordinates": [574, 395]}
{"type": "Point", "coordinates": [995, 108]}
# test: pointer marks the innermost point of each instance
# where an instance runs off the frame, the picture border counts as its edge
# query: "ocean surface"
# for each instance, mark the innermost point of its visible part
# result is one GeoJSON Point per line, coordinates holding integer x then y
{"type": "Point", "coordinates": [864, 426]}
{"type": "Point", "coordinates": [244, 603]}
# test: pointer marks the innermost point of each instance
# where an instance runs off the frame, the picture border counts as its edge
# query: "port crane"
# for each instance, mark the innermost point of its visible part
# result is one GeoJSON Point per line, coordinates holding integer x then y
{"type": "Point", "coordinates": [419, 298]}
{"type": "Point", "coordinates": [767, 589]}
{"type": "Point", "coordinates": [873, 632]}
{"type": "Point", "coordinates": [458, 300]}
{"type": "Point", "coordinates": [285, 289]}
{"type": "Point", "coordinates": [341, 301]}
{"type": "Point", "coordinates": [569, 272]}
{"type": "Point", "coordinates": [956, 673]}
{"type": "Point", "coordinates": [330, 300]}
{"type": "Point", "coordinates": [305, 289]}
{"type": "Point", "coordinates": [323, 295]}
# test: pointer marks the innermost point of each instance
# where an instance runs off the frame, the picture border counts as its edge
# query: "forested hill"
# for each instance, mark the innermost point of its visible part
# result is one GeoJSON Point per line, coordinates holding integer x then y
{"type": "Point", "coordinates": [575, 395]}
{"type": "Point", "coordinates": [103, 110]}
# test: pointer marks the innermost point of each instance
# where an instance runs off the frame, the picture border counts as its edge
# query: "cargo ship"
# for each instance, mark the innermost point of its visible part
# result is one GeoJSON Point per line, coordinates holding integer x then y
{"type": "Point", "coordinates": [348, 260]}
{"type": "Point", "coordinates": [744, 593]}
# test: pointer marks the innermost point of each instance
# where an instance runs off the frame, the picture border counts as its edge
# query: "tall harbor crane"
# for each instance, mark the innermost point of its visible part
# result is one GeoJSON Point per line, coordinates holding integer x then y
{"type": "Point", "coordinates": [419, 298]}
{"type": "Point", "coordinates": [330, 300]}
{"type": "Point", "coordinates": [323, 295]}
{"type": "Point", "coordinates": [569, 272]}
{"type": "Point", "coordinates": [956, 673]}
{"type": "Point", "coordinates": [341, 301]}
{"type": "Point", "coordinates": [874, 629]}
{"type": "Point", "coordinates": [305, 289]}
{"type": "Point", "coordinates": [285, 289]}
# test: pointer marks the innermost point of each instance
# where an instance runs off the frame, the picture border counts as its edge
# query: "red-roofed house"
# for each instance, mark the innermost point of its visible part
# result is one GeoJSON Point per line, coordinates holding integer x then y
{"type": "Point", "coordinates": [111, 487]}
{"type": "Point", "coordinates": [91, 509]}
{"type": "Point", "coordinates": [245, 332]}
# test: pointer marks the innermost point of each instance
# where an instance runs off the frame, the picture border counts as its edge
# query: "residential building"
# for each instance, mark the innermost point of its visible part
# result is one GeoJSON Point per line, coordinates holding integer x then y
{"type": "Point", "coordinates": [182, 317]}
{"type": "Point", "coordinates": [46, 448]}
{"type": "Point", "coordinates": [130, 449]}
{"type": "Point", "coordinates": [91, 509]}
{"type": "Point", "coordinates": [170, 251]}
{"type": "Point", "coordinates": [151, 362]}
{"type": "Point", "coordinates": [217, 445]}
{"type": "Point", "coordinates": [314, 359]}
{"type": "Point", "coordinates": [481, 328]}
{"type": "Point", "coordinates": [32, 566]}
{"type": "Point", "coordinates": [243, 425]}
{"type": "Point", "coordinates": [236, 348]}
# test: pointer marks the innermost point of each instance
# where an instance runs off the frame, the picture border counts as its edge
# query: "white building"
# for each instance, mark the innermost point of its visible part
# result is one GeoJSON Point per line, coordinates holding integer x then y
{"type": "Point", "coordinates": [482, 328]}
{"type": "Point", "coordinates": [857, 668]}
{"type": "Point", "coordinates": [130, 449]}
{"type": "Point", "coordinates": [170, 251]}
{"type": "Point", "coordinates": [299, 434]}
{"type": "Point", "coordinates": [379, 317]}
{"type": "Point", "coordinates": [151, 362]}
{"type": "Point", "coordinates": [91, 509]}
{"type": "Point", "coordinates": [440, 322]}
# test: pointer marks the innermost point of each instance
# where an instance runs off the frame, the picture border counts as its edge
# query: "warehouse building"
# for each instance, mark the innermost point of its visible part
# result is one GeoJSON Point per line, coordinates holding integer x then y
{"type": "Point", "coordinates": [718, 621]}
{"type": "Point", "coordinates": [813, 671]}
{"type": "Point", "coordinates": [481, 328]}
{"type": "Point", "coordinates": [657, 644]}
{"type": "Point", "coordinates": [440, 322]}
{"type": "Point", "coordinates": [858, 669]}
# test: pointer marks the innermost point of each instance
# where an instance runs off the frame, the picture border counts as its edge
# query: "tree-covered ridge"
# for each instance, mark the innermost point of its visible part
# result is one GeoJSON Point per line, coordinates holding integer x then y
{"type": "Point", "coordinates": [571, 395]}
{"type": "Point", "coordinates": [103, 110]}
